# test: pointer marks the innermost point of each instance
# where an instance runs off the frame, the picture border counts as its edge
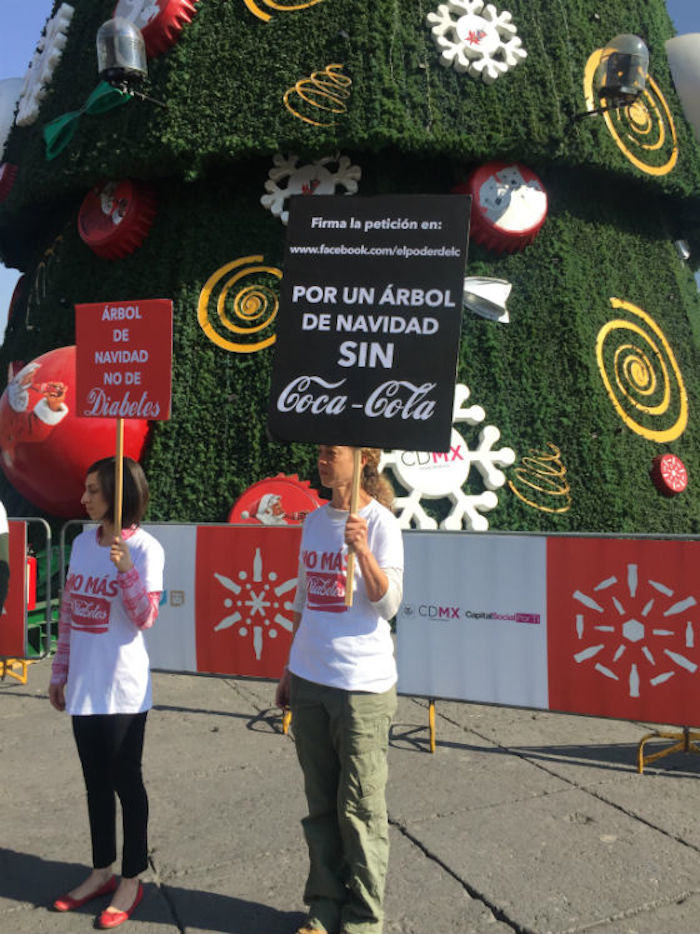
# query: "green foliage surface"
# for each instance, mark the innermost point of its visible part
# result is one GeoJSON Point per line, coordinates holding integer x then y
{"type": "Point", "coordinates": [412, 126]}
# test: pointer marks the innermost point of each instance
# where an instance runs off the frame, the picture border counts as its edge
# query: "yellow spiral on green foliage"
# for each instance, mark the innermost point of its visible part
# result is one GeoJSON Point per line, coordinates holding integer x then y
{"type": "Point", "coordinates": [250, 311]}
{"type": "Point", "coordinates": [325, 90]}
{"type": "Point", "coordinates": [641, 128]}
{"type": "Point", "coordinates": [641, 375]}
{"type": "Point", "coordinates": [278, 7]}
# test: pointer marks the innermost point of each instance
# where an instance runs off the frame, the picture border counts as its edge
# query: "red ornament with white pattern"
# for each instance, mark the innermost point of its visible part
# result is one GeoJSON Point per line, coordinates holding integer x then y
{"type": "Point", "coordinates": [280, 500]}
{"type": "Point", "coordinates": [509, 206]}
{"type": "Point", "coordinates": [114, 218]}
{"type": "Point", "coordinates": [669, 474]}
{"type": "Point", "coordinates": [45, 448]}
{"type": "Point", "coordinates": [160, 21]}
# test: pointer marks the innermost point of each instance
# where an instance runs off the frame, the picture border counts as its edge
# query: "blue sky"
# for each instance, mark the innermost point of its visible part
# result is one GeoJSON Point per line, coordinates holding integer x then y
{"type": "Point", "coordinates": [24, 21]}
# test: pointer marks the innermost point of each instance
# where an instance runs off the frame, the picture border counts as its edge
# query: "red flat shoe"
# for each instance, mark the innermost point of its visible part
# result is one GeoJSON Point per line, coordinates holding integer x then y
{"type": "Point", "coordinates": [66, 903]}
{"type": "Point", "coordinates": [112, 919]}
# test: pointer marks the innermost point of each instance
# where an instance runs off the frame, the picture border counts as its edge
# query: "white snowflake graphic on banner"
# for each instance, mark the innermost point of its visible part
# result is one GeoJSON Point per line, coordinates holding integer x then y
{"type": "Point", "coordinates": [42, 66]}
{"type": "Point", "coordinates": [314, 178]}
{"type": "Point", "coordinates": [256, 603]}
{"type": "Point", "coordinates": [475, 38]}
{"type": "Point", "coordinates": [637, 616]}
{"type": "Point", "coordinates": [443, 475]}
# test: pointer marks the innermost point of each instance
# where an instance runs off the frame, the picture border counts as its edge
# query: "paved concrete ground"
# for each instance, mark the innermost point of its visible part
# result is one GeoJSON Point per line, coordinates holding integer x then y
{"type": "Point", "coordinates": [521, 822]}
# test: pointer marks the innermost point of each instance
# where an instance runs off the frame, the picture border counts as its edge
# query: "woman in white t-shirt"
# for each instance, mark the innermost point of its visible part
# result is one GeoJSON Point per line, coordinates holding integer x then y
{"type": "Point", "coordinates": [101, 676]}
{"type": "Point", "coordinates": [341, 686]}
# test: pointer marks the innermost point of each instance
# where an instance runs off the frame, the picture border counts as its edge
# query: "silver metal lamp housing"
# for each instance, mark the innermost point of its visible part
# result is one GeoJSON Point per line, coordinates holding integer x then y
{"type": "Point", "coordinates": [121, 53]}
{"type": "Point", "coordinates": [622, 72]}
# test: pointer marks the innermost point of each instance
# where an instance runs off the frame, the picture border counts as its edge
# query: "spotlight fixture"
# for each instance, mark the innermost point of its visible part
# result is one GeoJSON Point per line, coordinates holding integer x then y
{"type": "Point", "coordinates": [620, 78]}
{"type": "Point", "coordinates": [121, 57]}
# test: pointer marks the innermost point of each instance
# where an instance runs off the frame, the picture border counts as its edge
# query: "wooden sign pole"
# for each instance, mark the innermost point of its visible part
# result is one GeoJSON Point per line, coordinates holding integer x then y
{"type": "Point", "coordinates": [354, 497]}
{"type": "Point", "coordinates": [119, 478]}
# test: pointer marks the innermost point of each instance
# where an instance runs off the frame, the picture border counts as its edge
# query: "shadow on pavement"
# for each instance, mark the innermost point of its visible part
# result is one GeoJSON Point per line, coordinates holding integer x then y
{"type": "Point", "coordinates": [616, 757]}
{"type": "Point", "coordinates": [37, 882]}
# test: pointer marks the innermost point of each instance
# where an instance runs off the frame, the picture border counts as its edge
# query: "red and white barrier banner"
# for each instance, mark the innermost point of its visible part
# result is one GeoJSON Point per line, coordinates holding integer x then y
{"type": "Point", "coordinates": [227, 603]}
{"type": "Point", "coordinates": [601, 626]}
{"type": "Point", "coordinates": [13, 622]}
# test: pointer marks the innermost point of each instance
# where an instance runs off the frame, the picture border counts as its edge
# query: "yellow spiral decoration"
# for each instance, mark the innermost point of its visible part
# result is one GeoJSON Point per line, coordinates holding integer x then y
{"type": "Point", "coordinates": [645, 380]}
{"type": "Point", "coordinates": [250, 311]}
{"type": "Point", "coordinates": [277, 7]}
{"type": "Point", "coordinates": [543, 473]}
{"type": "Point", "coordinates": [644, 131]}
{"type": "Point", "coordinates": [325, 90]}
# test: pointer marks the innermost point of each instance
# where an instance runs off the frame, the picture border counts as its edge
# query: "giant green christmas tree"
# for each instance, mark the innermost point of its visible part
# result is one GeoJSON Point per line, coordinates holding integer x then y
{"type": "Point", "coordinates": [585, 390]}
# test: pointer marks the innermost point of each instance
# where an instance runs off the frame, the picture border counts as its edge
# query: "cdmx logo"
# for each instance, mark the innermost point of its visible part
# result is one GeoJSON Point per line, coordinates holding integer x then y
{"type": "Point", "coordinates": [435, 612]}
{"type": "Point", "coordinates": [425, 459]}
{"type": "Point", "coordinates": [431, 611]}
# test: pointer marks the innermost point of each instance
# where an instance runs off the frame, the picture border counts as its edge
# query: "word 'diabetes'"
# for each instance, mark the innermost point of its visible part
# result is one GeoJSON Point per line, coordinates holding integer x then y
{"type": "Point", "coordinates": [101, 404]}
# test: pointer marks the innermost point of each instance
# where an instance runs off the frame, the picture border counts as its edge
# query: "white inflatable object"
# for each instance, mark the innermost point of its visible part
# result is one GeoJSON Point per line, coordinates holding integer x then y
{"type": "Point", "coordinates": [684, 58]}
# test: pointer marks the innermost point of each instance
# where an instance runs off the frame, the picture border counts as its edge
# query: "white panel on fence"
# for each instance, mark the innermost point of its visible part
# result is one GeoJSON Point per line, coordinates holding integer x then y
{"type": "Point", "coordinates": [171, 641]}
{"type": "Point", "coordinates": [473, 622]}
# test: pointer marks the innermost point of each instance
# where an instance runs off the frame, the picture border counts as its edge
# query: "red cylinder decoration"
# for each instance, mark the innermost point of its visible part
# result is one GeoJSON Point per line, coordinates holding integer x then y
{"type": "Point", "coordinates": [115, 218]}
{"type": "Point", "coordinates": [668, 474]}
{"type": "Point", "coordinates": [8, 174]}
{"type": "Point", "coordinates": [45, 448]}
{"type": "Point", "coordinates": [509, 205]}
{"type": "Point", "coordinates": [161, 23]}
{"type": "Point", "coordinates": [279, 500]}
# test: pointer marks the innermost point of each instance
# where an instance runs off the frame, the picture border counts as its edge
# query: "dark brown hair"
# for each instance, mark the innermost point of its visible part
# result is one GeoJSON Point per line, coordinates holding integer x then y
{"type": "Point", "coordinates": [135, 493]}
{"type": "Point", "coordinates": [374, 482]}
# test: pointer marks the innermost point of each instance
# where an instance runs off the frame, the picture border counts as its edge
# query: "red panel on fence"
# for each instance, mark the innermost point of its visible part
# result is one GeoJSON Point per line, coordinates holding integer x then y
{"type": "Point", "coordinates": [245, 583]}
{"type": "Point", "coordinates": [624, 628]}
{"type": "Point", "coordinates": [12, 622]}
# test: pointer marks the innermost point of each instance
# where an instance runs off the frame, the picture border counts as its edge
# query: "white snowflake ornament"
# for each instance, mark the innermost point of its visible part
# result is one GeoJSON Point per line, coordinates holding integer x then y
{"type": "Point", "coordinates": [314, 178]}
{"type": "Point", "coordinates": [443, 475]}
{"type": "Point", "coordinates": [476, 38]}
{"type": "Point", "coordinates": [42, 66]}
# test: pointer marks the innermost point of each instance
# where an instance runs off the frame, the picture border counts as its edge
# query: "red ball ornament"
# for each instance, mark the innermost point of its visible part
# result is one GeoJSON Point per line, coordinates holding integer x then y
{"type": "Point", "coordinates": [45, 449]}
{"type": "Point", "coordinates": [668, 474]}
{"type": "Point", "coordinates": [8, 174]}
{"type": "Point", "coordinates": [160, 21]}
{"type": "Point", "coordinates": [278, 500]}
{"type": "Point", "coordinates": [114, 218]}
{"type": "Point", "coordinates": [509, 205]}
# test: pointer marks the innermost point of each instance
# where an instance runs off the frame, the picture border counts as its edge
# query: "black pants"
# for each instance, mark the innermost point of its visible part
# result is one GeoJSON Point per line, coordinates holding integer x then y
{"type": "Point", "coordinates": [110, 748]}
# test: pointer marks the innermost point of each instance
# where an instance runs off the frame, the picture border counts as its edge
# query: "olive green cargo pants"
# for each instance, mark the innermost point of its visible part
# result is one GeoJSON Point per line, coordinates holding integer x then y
{"type": "Point", "coordinates": [341, 740]}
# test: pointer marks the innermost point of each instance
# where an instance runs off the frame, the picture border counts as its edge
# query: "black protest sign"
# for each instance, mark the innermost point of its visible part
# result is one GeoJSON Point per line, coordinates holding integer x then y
{"type": "Point", "coordinates": [369, 322]}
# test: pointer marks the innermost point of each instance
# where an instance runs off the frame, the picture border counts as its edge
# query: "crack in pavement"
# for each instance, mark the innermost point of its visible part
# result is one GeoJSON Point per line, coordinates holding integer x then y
{"type": "Point", "coordinates": [473, 893]}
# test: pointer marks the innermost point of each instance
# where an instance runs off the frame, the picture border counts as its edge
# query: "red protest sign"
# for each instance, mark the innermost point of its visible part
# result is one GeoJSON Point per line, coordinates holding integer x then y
{"type": "Point", "coordinates": [124, 359]}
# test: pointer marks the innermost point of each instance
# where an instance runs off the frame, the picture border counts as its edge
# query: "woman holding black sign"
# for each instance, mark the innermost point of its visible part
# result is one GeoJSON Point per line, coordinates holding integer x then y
{"type": "Point", "coordinates": [101, 677]}
{"type": "Point", "coordinates": [341, 686]}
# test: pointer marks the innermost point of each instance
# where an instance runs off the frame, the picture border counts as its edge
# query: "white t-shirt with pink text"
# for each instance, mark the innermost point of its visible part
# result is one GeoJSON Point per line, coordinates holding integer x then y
{"type": "Point", "coordinates": [109, 670]}
{"type": "Point", "coordinates": [344, 647]}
